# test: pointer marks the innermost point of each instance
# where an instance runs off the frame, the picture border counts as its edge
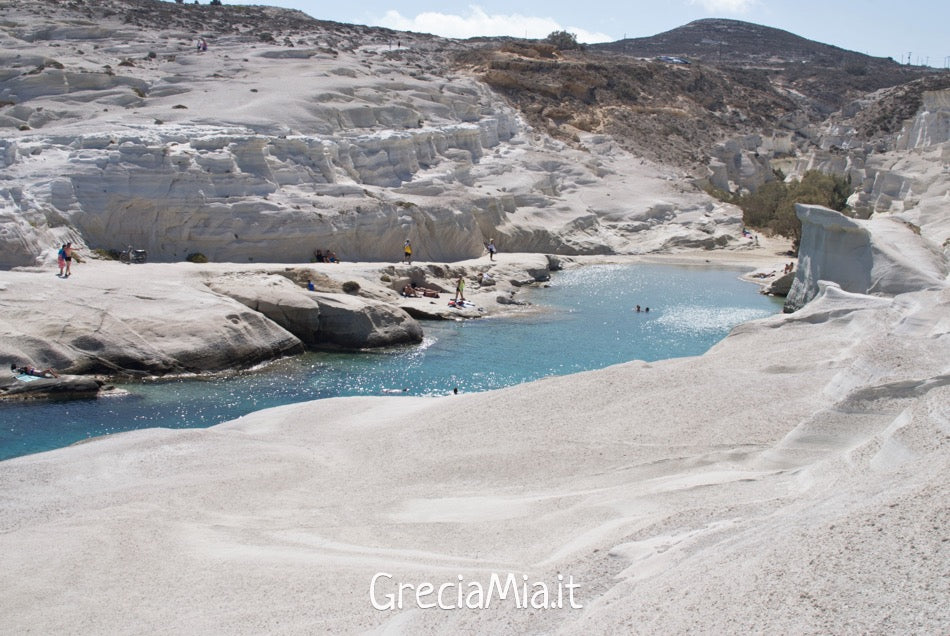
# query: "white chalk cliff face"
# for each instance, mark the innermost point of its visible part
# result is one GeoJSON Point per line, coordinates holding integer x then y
{"type": "Point", "coordinates": [117, 135]}
{"type": "Point", "coordinates": [882, 256]}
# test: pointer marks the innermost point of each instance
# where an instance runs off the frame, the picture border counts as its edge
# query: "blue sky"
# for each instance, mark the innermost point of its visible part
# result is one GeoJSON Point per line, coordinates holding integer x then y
{"type": "Point", "coordinates": [883, 28]}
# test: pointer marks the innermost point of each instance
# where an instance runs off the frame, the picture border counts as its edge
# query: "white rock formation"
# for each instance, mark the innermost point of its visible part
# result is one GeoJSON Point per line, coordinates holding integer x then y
{"type": "Point", "coordinates": [882, 256]}
{"type": "Point", "coordinates": [277, 298]}
{"type": "Point", "coordinates": [320, 319]}
{"type": "Point", "coordinates": [117, 135]}
{"type": "Point", "coordinates": [135, 323]}
{"type": "Point", "coordinates": [350, 323]}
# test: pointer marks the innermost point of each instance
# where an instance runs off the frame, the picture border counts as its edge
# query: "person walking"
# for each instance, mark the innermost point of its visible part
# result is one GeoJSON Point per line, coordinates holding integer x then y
{"type": "Point", "coordinates": [61, 259]}
{"type": "Point", "coordinates": [407, 252]}
{"type": "Point", "coordinates": [491, 249]}
{"type": "Point", "coordinates": [460, 289]}
{"type": "Point", "coordinates": [68, 255]}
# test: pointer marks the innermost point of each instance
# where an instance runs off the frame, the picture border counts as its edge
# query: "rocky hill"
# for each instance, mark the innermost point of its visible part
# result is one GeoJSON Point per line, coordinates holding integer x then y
{"type": "Point", "coordinates": [827, 75]}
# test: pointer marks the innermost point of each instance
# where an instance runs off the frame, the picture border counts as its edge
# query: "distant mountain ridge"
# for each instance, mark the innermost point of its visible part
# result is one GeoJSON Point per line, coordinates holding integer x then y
{"type": "Point", "coordinates": [720, 41]}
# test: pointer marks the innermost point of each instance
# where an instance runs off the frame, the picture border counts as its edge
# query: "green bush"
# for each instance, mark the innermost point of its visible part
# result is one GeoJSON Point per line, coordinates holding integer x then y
{"type": "Point", "coordinates": [351, 287]}
{"type": "Point", "coordinates": [106, 254]}
{"type": "Point", "coordinates": [562, 40]}
{"type": "Point", "coordinates": [772, 207]}
{"type": "Point", "coordinates": [196, 257]}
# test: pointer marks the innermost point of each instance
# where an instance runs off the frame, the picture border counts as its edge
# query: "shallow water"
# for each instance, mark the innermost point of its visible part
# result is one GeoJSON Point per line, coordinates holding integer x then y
{"type": "Point", "coordinates": [588, 322]}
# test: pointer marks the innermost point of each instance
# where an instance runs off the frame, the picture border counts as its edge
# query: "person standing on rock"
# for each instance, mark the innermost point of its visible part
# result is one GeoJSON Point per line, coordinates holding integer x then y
{"type": "Point", "coordinates": [407, 252]}
{"type": "Point", "coordinates": [68, 254]}
{"type": "Point", "coordinates": [460, 289]}
{"type": "Point", "coordinates": [61, 259]}
{"type": "Point", "coordinates": [491, 249]}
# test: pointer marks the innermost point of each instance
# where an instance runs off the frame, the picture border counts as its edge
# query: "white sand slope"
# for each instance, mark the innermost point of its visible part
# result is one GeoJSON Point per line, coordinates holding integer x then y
{"type": "Point", "coordinates": [791, 480]}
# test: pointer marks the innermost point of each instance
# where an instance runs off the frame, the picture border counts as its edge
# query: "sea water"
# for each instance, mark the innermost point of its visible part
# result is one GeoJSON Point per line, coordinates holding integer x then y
{"type": "Point", "coordinates": [584, 320]}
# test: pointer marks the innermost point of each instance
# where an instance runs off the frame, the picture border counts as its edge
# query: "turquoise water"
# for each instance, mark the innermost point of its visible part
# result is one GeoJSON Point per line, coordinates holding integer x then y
{"type": "Point", "coordinates": [587, 322]}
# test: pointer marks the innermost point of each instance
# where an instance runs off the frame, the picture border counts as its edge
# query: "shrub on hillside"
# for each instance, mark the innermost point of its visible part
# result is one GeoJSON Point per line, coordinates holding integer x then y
{"type": "Point", "coordinates": [562, 40]}
{"type": "Point", "coordinates": [772, 206]}
{"type": "Point", "coordinates": [106, 254]}
{"type": "Point", "coordinates": [196, 257]}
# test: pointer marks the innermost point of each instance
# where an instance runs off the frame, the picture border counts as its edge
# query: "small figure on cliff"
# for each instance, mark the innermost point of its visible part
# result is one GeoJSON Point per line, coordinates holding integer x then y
{"type": "Point", "coordinates": [310, 286]}
{"type": "Point", "coordinates": [407, 252]}
{"type": "Point", "coordinates": [491, 249]}
{"type": "Point", "coordinates": [460, 289]}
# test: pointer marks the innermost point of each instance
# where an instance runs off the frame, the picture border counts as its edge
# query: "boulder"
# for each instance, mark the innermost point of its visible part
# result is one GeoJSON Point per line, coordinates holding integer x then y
{"type": "Point", "coordinates": [883, 256]}
{"type": "Point", "coordinates": [349, 322]}
{"type": "Point", "coordinates": [140, 323]}
{"type": "Point", "coordinates": [63, 387]}
{"type": "Point", "coordinates": [293, 308]}
{"type": "Point", "coordinates": [781, 286]}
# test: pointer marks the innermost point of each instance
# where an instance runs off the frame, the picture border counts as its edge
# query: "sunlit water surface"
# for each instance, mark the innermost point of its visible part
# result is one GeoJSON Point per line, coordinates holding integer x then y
{"type": "Point", "coordinates": [586, 322]}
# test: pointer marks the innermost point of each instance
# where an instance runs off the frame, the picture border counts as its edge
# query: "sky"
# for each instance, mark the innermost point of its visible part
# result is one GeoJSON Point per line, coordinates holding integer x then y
{"type": "Point", "coordinates": [906, 30]}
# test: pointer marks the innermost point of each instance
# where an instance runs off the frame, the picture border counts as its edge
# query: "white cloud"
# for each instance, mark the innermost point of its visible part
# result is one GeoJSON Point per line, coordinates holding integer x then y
{"type": "Point", "coordinates": [478, 23]}
{"type": "Point", "coordinates": [726, 6]}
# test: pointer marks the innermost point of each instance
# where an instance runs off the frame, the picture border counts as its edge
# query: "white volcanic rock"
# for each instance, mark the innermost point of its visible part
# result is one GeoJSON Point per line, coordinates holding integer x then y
{"type": "Point", "coordinates": [350, 322]}
{"type": "Point", "coordinates": [135, 324]}
{"type": "Point", "coordinates": [879, 256]}
{"type": "Point", "coordinates": [277, 298]}
{"type": "Point", "coordinates": [320, 319]}
{"type": "Point", "coordinates": [119, 135]}
{"type": "Point", "coordinates": [931, 126]}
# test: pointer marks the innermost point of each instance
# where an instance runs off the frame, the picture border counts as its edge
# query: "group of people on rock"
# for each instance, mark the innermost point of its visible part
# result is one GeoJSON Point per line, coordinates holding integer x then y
{"type": "Point", "coordinates": [329, 257]}
{"type": "Point", "coordinates": [412, 290]}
